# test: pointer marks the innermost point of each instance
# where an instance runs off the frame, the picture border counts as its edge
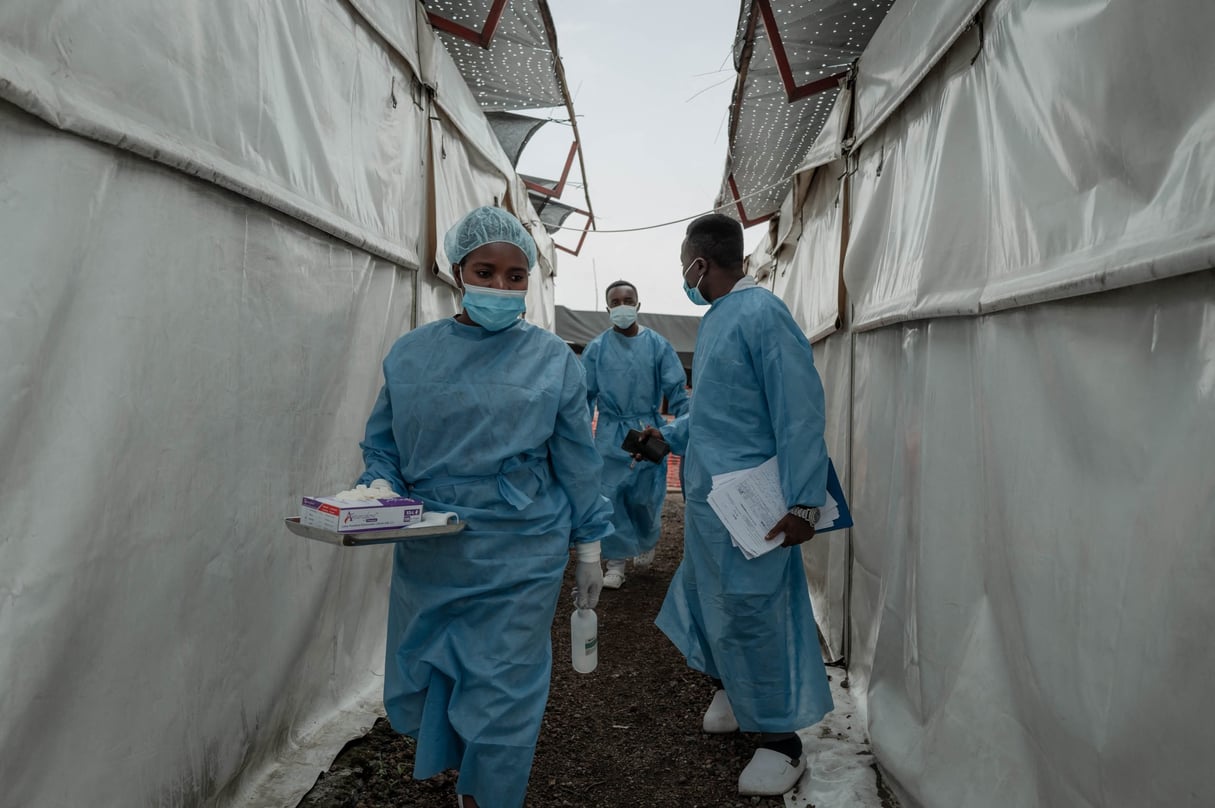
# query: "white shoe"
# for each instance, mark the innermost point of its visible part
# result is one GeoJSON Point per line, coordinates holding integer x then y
{"type": "Point", "coordinates": [770, 774]}
{"type": "Point", "coordinates": [643, 561]}
{"type": "Point", "coordinates": [613, 579]}
{"type": "Point", "coordinates": [719, 718]}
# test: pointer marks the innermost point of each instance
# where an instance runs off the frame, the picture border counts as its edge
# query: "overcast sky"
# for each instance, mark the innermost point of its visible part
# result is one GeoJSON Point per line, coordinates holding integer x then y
{"type": "Point", "coordinates": [651, 83]}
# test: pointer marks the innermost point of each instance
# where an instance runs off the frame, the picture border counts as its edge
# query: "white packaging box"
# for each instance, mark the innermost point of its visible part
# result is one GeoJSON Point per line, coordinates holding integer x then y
{"type": "Point", "coordinates": [347, 516]}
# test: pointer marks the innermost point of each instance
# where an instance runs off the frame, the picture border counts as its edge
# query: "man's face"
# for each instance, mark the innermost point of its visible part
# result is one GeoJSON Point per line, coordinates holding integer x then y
{"type": "Point", "coordinates": [690, 277]}
{"type": "Point", "coordinates": [621, 296]}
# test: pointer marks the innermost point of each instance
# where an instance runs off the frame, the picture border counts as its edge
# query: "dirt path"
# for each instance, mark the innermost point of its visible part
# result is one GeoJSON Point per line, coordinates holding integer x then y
{"type": "Point", "coordinates": [626, 735]}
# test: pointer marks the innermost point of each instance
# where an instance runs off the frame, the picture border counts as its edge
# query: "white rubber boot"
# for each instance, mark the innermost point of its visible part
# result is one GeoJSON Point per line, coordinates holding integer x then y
{"type": "Point", "coordinates": [719, 718]}
{"type": "Point", "coordinates": [614, 577]}
{"type": "Point", "coordinates": [770, 774]}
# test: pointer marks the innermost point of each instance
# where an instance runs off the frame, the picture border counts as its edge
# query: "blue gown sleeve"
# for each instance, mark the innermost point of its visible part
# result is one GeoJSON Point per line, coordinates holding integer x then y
{"type": "Point", "coordinates": [590, 361]}
{"type": "Point", "coordinates": [796, 407]}
{"type": "Point", "coordinates": [674, 381]}
{"type": "Point", "coordinates": [576, 462]}
{"type": "Point", "coordinates": [676, 434]}
{"type": "Point", "coordinates": [381, 459]}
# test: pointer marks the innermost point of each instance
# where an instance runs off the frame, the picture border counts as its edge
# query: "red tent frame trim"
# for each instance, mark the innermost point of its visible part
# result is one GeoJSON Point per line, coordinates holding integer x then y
{"type": "Point", "coordinates": [742, 214]}
{"type": "Point", "coordinates": [555, 192]}
{"type": "Point", "coordinates": [482, 37]}
{"type": "Point", "coordinates": [590, 220]}
{"type": "Point", "coordinates": [792, 90]}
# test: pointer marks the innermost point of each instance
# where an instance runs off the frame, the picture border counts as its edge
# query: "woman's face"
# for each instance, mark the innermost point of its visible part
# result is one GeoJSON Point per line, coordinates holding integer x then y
{"type": "Point", "coordinates": [497, 265]}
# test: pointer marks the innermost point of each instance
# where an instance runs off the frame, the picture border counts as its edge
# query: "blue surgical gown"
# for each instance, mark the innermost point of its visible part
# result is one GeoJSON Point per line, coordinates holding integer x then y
{"type": "Point", "coordinates": [628, 377]}
{"type": "Point", "coordinates": [756, 394]}
{"type": "Point", "coordinates": [494, 427]}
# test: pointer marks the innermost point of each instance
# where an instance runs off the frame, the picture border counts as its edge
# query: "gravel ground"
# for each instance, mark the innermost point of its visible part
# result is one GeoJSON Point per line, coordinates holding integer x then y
{"type": "Point", "coordinates": [627, 734]}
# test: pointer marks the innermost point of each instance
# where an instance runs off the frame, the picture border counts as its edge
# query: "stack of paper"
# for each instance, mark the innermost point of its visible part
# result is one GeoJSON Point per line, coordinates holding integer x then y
{"type": "Point", "coordinates": [749, 502]}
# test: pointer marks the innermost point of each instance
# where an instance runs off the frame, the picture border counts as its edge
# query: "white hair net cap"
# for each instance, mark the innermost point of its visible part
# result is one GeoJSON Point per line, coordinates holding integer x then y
{"type": "Point", "coordinates": [485, 226]}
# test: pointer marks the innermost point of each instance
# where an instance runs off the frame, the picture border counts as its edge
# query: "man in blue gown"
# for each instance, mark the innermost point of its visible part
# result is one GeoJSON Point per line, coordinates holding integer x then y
{"type": "Point", "coordinates": [749, 623]}
{"type": "Point", "coordinates": [629, 369]}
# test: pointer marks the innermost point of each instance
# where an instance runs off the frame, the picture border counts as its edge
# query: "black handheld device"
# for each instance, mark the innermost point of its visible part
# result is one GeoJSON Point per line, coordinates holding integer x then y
{"type": "Point", "coordinates": [653, 449]}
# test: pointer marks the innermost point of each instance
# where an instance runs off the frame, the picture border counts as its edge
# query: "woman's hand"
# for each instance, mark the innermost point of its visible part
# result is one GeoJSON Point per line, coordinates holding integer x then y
{"type": "Point", "coordinates": [588, 580]}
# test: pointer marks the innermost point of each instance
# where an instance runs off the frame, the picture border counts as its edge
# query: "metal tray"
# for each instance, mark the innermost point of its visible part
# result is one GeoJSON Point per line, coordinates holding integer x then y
{"type": "Point", "coordinates": [368, 538]}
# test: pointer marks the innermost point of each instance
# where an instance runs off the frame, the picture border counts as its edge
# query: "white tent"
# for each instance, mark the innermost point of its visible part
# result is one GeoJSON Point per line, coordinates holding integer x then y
{"type": "Point", "coordinates": [1001, 244]}
{"type": "Point", "coordinates": [214, 220]}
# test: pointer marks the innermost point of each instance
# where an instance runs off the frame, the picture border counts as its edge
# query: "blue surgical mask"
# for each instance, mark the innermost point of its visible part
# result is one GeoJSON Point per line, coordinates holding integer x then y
{"type": "Point", "coordinates": [494, 309]}
{"type": "Point", "coordinates": [693, 292]}
{"type": "Point", "coordinates": [623, 316]}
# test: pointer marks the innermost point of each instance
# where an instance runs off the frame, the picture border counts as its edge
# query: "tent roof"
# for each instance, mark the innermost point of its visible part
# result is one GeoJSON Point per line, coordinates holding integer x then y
{"type": "Point", "coordinates": [507, 53]}
{"type": "Point", "coordinates": [580, 327]}
{"type": "Point", "coordinates": [511, 65]}
{"type": "Point", "coordinates": [791, 57]}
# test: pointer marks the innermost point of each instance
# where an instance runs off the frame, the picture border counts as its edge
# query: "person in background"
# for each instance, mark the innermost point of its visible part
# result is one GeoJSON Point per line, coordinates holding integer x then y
{"type": "Point", "coordinates": [629, 369]}
{"type": "Point", "coordinates": [485, 415]}
{"type": "Point", "coordinates": [748, 623]}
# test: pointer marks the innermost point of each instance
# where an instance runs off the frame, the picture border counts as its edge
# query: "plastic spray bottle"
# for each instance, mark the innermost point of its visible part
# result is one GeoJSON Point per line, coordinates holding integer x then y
{"type": "Point", "coordinates": [584, 640]}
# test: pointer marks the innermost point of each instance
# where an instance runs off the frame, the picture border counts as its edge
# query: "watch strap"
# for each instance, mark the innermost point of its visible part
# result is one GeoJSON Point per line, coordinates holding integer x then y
{"type": "Point", "coordinates": [810, 514]}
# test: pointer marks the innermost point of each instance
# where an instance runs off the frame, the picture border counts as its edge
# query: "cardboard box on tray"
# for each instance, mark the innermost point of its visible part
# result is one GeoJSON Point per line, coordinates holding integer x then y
{"type": "Point", "coordinates": [349, 516]}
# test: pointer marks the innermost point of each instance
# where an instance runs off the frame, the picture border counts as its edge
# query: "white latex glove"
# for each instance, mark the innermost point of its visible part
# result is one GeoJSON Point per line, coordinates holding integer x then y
{"type": "Point", "coordinates": [588, 576]}
{"type": "Point", "coordinates": [379, 489]}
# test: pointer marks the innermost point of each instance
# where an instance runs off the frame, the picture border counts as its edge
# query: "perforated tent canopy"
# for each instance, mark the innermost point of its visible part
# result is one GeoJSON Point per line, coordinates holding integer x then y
{"type": "Point", "coordinates": [552, 212]}
{"type": "Point", "coordinates": [791, 58]}
{"type": "Point", "coordinates": [511, 65]}
{"type": "Point", "coordinates": [513, 131]}
{"type": "Point", "coordinates": [507, 54]}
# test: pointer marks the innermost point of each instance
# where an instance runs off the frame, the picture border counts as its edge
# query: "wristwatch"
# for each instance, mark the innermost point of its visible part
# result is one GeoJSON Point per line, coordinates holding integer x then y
{"type": "Point", "coordinates": [802, 512]}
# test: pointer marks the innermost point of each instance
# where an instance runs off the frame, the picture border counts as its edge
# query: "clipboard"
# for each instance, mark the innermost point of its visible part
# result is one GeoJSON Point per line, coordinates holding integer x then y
{"type": "Point", "coordinates": [844, 520]}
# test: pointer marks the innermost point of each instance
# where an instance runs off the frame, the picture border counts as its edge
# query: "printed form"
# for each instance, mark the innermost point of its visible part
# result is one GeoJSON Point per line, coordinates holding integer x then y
{"type": "Point", "coordinates": [749, 502]}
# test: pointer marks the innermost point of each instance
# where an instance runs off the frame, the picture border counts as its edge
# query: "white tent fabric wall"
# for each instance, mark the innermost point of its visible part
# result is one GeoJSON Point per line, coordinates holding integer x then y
{"type": "Point", "coordinates": [1038, 504]}
{"type": "Point", "coordinates": [183, 363]}
{"type": "Point", "coordinates": [437, 296]}
{"type": "Point", "coordinates": [808, 270]}
{"type": "Point", "coordinates": [1032, 486]}
{"type": "Point", "coordinates": [906, 46]}
{"type": "Point", "coordinates": [541, 290]}
{"type": "Point", "coordinates": [541, 300]}
{"type": "Point", "coordinates": [220, 93]}
{"type": "Point", "coordinates": [826, 559]}
{"type": "Point", "coordinates": [1110, 183]}
{"type": "Point", "coordinates": [397, 22]}
{"type": "Point", "coordinates": [806, 277]}
{"type": "Point", "coordinates": [462, 182]}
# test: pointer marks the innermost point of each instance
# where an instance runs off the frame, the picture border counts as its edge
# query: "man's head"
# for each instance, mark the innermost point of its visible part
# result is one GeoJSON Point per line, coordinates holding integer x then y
{"type": "Point", "coordinates": [622, 306]}
{"type": "Point", "coordinates": [712, 255]}
{"type": "Point", "coordinates": [621, 293]}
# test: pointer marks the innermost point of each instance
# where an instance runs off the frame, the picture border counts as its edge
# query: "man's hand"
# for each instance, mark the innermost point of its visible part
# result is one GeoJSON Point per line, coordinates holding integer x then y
{"type": "Point", "coordinates": [796, 529]}
{"type": "Point", "coordinates": [646, 434]}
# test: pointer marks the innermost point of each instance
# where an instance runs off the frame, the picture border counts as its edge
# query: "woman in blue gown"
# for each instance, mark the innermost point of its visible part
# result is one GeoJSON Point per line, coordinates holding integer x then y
{"type": "Point", "coordinates": [485, 415]}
